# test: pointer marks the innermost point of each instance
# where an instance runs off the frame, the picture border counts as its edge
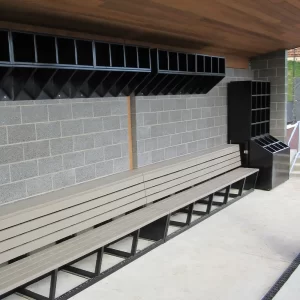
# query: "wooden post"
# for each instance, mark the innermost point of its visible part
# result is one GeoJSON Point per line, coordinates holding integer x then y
{"type": "Point", "coordinates": [130, 142]}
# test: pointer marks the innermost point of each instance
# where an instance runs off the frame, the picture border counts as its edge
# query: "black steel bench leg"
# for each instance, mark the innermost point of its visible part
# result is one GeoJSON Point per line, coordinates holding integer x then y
{"type": "Point", "coordinates": [242, 187]}
{"type": "Point", "coordinates": [135, 242]}
{"type": "Point", "coordinates": [53, 284]}
{"type": "Point", "coordinates": [209, 204]}
{"type": "Point", "coordinates": [190, 214]}
{"type": "Point", "coordinates": [226, 196]}
{"type": "Point", "coordinates": [99, 261]}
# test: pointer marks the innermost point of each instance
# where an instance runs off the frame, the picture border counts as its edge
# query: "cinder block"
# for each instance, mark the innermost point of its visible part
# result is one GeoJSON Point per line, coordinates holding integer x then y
{"type": "Point", "coordinates": [4, 174]}
{"type": "Point", "coordinates": [223, 91]}
{"type": "Point", "coordinates": [191, 125]}
{"type": "Point", "coordinates": [181, 150]}
{"type": "Point", "coordinates": [175, 116]}
{"type": "Point", "coordinates": [163, 142]}
{"type": "Point", "coordinates": [92, 125]}
{"type": "Point", "coordinates": [124, 121]}
{"type": "Point", "coordinates": [36, 150]}
{"type": "Point", "coordinates": [201, 124]}
{"type": "Point", "coordinates": [3, 136]}
{"type": "Point", "coordinates": [21, 133]}
{"type": "Point", "coordinates": [171, 152]}
{"type": "Point", "coordinates": [119, 108]}
{"type": "Point", "coordinates": [121, 165]}
{"type": "Point", "coordinates": [180, 127]}
{"type": "Point", "coordinates": [214, 111]}
{"type": "Point", "coordinates": [24, 170]}
{"type": "Point", "coordinates": [120, 136]}
{"type": "Point", "coordinates": [83, 142]}
{"type": "Point", "coordinates": [281, 72]}
{"type": "Point", "coordinates": [73, 160]}
{"type": "Point", "coordinates": [279, 98]}
{"type": "Point", "coordinates": [60, 112]}
{"type": "Point", "coordinates": [144, 159]}
{"type": "Point", "coordinates": [176, 139]}
{"type": "Point", "coordinates": [139, 147]}
{"type": "Point", "coordinates": [222, 111]}
{"type": "Point", "coordinates": [163, 117]}
{"type": "Point", "coordinates": [11, 154]}
{"type": "Point", "coordinates": [214, 131]}
{"type": "Point", "coordinates": [156, 105]}
{"type": "Point", "coordinates": [157, 130]}
{"type": "Point", "coordinates": [169, 104]}
{"type": "Point", "coordinates": [276, 63]}
{"type": "Point", "coordinates": [210, 143]}
{"type": "Point", "coordinates": [39, 185]}
{"type": "Point", "coordinates": [197, 135]}
{"type": "Point", "coordinates": [10, 115]}
{"type": "Point", "coordinates": [206, 112]}
{"type": "Point", "coordinates": [142, 105]}
{"type": "Point", "coordinates": [150, 118]}
{"type": "Point", "coordinates": [94, 156]}
{"type": "Point", "coordinates": [186, 115]}
{"type": "Point", "coordinates": [70, 128]}
{"type": "Point", "coordinates": [181, 103]}
{"type": "Point", "coordinates": [85, 173]}
{"type": "Point", "coordinates": [102, 109]}
{"type": "Point", "coordinates": [34, 113]}
{"type": "Point", "coordinates": [158, 155]}
{"type": "Point", "coordinates": [187, 137]}
{"type": "Point", "coordinates": [218, 140]}
{"type": "Point", "coordinates": [111, 123]}
{"type": "Point", "coordinates": [151, 144]}
{"type": "Point", "coordinates": [260, 64]}
{"type": "Point", "coordinates": [191, 103]}
{"type": "Point", "coordinates": [201, 145]}
{"type": "Point", "coordinates": [13, 191]}
{"type": "Point", "coordinates": [112, 152]}
{"type": "Point", "coordinates": [267, 73]}
{"type": "Point", "coordinates": [103, 139]}
{"type": "Point", "coordinates": [64, 179]}
{"type": "Point", "coordinates": [48, 130]}
{"type": "Point", "coordinates": [192, 147]}
{"type": "Point", "coordinates": [82, 110]}
{"type": "Point", "coordinates": [197, 113]}
{"type": "Point", "coordinates": [125, 150]}
{"type": "Point", "coordinates": [50, 165]}
{"type": "Point", "coordinates": [61, 146]}
{"type": "Point", "coordinates": [104, 168]}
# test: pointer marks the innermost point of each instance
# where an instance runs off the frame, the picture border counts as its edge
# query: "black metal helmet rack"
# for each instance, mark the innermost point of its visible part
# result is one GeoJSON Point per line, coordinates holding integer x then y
{"type": "Point", "coordinates": [47, 67]}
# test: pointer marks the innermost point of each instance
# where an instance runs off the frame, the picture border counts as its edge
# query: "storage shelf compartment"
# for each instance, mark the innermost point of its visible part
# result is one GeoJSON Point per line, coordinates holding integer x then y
{"type": "Point", "coordinates": [84, 53]}
{"type": "Point", "coordinates": [4, 49]}
{"type": "Point", "coordinates": [66, 51]}
{"type": "Point", "coordinates": [131, 56]}
{"type": "Point", "coordinates": [117, 55]}
{"type": "Point", "coordinates": [222, 67]}
{"type": "Point", "coordinates": [208, 64]}
{"type": "Point", "coordinates": [23, 44]}
{"type": "Point", "coordinates": [173, 61]}
{"type": "Point", "coordinates": [215, 64]}
{"type": "Point", "coordinates": [46, 49]}
{"type": "Point", "coordinates": [102, 54]}
{"type": "Point", "coordinates": [163, 61]}
{"type": "Point", "coordinates": [191, 62]}
{"type": "Point", "coordinates": [200, 64]}
{"type": "Point", "coordinates": [182, 57]}
{"type": "Point", "coordinates": [144, 58]}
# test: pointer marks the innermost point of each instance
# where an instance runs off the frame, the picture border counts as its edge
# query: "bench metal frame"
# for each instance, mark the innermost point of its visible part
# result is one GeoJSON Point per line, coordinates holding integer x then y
{"type": "Point", "coordinates": [158, 236]}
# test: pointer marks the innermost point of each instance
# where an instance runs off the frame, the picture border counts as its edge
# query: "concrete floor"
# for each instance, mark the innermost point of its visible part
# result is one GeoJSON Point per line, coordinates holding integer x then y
{"type": "Point", "coordinates": [239, 253]}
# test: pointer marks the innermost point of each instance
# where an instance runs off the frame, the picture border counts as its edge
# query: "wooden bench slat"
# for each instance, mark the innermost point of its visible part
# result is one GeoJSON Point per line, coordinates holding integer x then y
{"type": "Point", "coordinates": [46, 240]}
{"type": "Point", "coordinates": [174, 184]}
{"type": "Point", "coordinates": [194, 168]}
{"type": "Point", "coordinates": [205, 189]}
{"type": "Point", "coordinates": [175, 166]}
{"type": "Point", "coordinates": [190, 183]}
{"type": "Point", "coordinates": [75, 210]}
{"type": "Point", "coordinates": [22, 211]}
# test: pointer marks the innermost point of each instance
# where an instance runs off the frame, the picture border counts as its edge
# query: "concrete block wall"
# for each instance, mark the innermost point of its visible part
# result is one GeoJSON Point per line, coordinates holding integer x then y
{"type": "Point", "coordinates": [166, 127]}
{"type": "Point", "coordinates": [51, 144]}
{"type": "Point", "coordinates": [273, 67]}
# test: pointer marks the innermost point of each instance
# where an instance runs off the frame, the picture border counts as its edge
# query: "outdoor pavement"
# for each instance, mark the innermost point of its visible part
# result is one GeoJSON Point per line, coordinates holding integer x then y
{"type": "Point", "coordinates": [238, 253]}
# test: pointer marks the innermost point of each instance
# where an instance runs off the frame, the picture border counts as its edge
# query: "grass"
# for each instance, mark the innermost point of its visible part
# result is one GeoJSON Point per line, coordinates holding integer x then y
{"type": "Point", "coordinates": [293, 66]}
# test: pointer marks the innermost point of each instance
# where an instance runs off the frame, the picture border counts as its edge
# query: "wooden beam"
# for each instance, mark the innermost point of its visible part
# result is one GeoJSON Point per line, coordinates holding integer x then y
{"type": "Point", "coordinates": [130, 141]}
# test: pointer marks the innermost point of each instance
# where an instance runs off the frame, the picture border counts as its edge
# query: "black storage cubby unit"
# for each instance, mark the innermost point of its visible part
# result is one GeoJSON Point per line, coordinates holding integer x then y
{"type": "Point", "coordinates": [182, 73]}
{"type": "Point", "coordinates": [42, 66]}
{"type": "Point", "coordinates": [249, 126]}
